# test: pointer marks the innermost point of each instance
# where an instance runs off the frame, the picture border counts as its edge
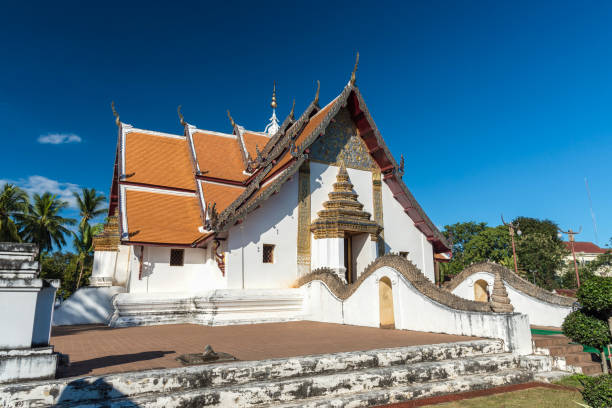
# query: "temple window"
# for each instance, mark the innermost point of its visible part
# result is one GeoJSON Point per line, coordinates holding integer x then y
{"type": "Point", "coordinates": [268, 253]}
{"type": "Point", "coordinates": [177, 256]}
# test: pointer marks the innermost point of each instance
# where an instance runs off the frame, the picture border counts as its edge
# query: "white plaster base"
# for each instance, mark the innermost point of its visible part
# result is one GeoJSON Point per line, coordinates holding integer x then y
{"type": "Point", "coordinates": [213, 308]}
{"type": "Point", "coordinates": [27, 364]}
{"type": "Point", "coordinates": [88, 305]}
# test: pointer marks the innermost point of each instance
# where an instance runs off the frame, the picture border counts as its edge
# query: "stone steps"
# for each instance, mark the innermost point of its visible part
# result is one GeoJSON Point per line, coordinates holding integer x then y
{"type": "Point", "coordinates": [351, 378]}
{"type": "Point", "coordinates": [411, 392]}
{"type": "Point", "coordinates": [569, 357]}
{"type": "Point", "coordinates": [332, 385]}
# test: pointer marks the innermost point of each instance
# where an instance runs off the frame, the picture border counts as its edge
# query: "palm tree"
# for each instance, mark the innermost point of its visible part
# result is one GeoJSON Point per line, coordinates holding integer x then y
{"type": "Point", "coordinates": [13, 201]}
{"type": "Point", "coordinates": [90, 204]}
{"type": "Point", "coordinates": [83, 243]}
{"type": "Point", "coordinates": [42, 224]}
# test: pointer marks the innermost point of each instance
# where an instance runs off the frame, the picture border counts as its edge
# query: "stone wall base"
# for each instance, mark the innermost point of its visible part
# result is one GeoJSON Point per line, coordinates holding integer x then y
{"type": "Point", "coordinates": [27, 364]}
{"type": "Point", "coordinates": [214, 308]}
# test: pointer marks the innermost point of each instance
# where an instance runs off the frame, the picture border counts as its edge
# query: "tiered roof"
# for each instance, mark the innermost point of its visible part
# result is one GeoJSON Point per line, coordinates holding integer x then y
{"type": "Point", "coordinates": [185, 190]}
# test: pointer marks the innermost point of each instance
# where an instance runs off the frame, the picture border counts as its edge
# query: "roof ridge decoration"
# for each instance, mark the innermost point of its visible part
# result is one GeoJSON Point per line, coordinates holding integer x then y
{"type": "Point", "coordinates": [180, 115]}
{"type": "Point", "coordinates": [115, 114]}
{"type": "Point", "coordinates": [288, 131]}
{"type": "Point", "coordinates": [238, 131]}
{"type": "Point", "coordinates": [343, 214]}
{"type": "Point", "coordinates": [353, 74]}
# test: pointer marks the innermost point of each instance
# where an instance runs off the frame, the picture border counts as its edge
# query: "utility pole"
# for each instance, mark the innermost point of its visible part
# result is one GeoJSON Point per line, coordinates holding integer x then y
{"type": "Point", "coordinates": [511, 227]}
{"type": "Point", "coordinates": [571, 234]}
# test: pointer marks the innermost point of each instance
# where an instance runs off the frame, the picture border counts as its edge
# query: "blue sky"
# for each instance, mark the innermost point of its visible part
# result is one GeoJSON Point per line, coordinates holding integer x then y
{"type": "Point", "coordinates": [498, 107]}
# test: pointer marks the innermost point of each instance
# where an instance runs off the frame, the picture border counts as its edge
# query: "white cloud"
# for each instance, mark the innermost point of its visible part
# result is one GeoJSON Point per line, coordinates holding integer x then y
{"type": "Point", "coordinates": [41, 185]}
{"type": "Point", "coordinates": [59, 138]}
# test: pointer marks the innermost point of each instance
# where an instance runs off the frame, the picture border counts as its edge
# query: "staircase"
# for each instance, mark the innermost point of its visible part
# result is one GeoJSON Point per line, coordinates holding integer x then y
{"type": "Point", "coordinates": [355, 379]}
{"type": "Point", "coordinates": [566, 356]}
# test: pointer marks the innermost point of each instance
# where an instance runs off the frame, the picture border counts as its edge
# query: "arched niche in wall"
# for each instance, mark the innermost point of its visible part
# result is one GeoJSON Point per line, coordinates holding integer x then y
{"type": "Point", "coordinates": [385, 293]}
{"type": "Point", "coordinates": [481, 291]}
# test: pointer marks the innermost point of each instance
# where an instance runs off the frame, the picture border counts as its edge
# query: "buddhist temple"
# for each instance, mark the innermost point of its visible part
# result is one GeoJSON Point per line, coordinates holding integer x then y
{"type": "Point", "coordinates": [241, 209]}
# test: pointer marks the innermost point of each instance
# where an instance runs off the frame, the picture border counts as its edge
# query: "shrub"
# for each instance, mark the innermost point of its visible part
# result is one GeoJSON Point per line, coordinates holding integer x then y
{"type": "Point", "coordinates": [586, 330]}
{"type": "Point", "coordinates": [597, 391]}
{"type": "Point", "coordinates": [595, 295]}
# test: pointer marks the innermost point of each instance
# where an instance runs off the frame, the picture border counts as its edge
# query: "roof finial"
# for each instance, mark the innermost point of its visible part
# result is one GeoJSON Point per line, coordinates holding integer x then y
{"type": "Point", "coordinates": [316, 99]}
{"type": "Point", "coordinates": [115, 114]}
{"type": "Point", "coordinates": [231, 119]}
{"type": "Point", "coordinates": [353, 78]}
{"type": "Point", "coordinates": [273, 126]}
{"type": "Point", "coordinates": [292, 109]}
{"type": "Point", "coordinates": [182, 119]}
{"type": "Point", "coordinates": [273, 103]}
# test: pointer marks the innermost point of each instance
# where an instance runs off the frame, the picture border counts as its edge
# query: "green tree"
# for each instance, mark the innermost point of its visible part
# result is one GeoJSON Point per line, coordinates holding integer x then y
{"type": "Point", "coordinates": [83, 243]}
{"type": "Point", "coordinates": [529, 226]}
{"type": "Point", "coordinates": [60, 265]}
{"type": "Point", "coordinates": [13, 202]}
{"type": "Point", "coordinates": [491, 244]}
{"type": "Point", "coordinates": [460, 234]}
{"type": "Point", "coordinates": [90, 203]}
{"type": "Point", "coordinates": [43, 224]}
{"type": "Point", "coordinates": [540, 256]}
{"type": "Point", "coordinates": [591, 325]}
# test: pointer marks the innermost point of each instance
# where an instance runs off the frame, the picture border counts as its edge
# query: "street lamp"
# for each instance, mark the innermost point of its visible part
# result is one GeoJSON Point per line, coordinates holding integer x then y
{"type": "Point", "coordinates": [511, 227]}
{"type": "Point", "coordinates": [571, 234]}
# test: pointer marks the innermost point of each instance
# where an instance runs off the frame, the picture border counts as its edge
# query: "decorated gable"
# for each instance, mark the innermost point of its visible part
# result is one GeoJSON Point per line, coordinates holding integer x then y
{"type": "Point", "coordinates": [341, 143]}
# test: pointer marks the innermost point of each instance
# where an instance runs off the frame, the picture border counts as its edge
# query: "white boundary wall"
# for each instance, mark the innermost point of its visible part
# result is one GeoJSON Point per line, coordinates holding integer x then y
{"type": "Point", "coordinates": [540, 313]}
{"type": "Point", "coordinates": [414, 311]}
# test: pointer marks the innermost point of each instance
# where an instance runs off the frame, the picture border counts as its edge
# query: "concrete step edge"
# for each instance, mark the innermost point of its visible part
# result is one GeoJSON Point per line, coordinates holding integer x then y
{"type": "Point", "coordinates": [402, 394]}
{"type": "Point", "coordinates": [235, 373]}
{"type": "Point", "coordinates": [300, 388]}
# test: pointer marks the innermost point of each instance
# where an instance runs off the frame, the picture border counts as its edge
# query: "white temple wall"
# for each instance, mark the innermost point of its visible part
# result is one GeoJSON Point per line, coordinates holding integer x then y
{"type": "Point", "coordinates": [540, 313]}
{"type": "Point", "coordinates": [198, 273]}
{"type": "Point", "coordinates": [273, 223]}
{"type": "Point", "coordinates": [401, 235]}
{"type": "Point", "coordinates": [122, 264]}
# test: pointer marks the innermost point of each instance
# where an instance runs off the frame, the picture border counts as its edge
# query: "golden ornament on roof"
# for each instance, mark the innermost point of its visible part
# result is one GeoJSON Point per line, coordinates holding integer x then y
{"type": "Point", "coordinates": [273, 103]}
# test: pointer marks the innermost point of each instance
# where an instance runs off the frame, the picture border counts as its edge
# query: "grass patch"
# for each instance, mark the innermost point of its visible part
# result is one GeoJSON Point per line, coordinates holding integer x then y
{"type": "Point", "coordinates": [533, 397]}
{"type": "Point", "coordinates": [571, 381]}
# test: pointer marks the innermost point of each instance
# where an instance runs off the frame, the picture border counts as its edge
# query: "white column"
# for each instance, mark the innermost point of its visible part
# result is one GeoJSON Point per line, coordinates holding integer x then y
{"type": "Point", "coordinates": [329, 252]}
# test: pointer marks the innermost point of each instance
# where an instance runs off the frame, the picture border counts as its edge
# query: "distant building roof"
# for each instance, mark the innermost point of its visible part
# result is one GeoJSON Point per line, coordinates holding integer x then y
{"type": "Point", "coordinates": [586, 247]}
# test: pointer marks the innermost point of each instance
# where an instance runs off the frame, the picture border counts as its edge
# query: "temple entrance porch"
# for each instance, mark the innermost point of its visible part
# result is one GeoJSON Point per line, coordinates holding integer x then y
{"type": "Point", "coordinates": [98, 349]}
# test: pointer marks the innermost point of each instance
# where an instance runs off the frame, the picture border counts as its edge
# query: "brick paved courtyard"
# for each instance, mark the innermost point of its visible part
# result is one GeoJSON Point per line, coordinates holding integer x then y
{"type": "Point", "coordinates": [97, 349]}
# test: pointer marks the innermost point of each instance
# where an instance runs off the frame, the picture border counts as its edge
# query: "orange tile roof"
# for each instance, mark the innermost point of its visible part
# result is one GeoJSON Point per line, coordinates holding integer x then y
{"type": "Point", "coordinates": [586, 247]}
{"type": "Point", "coordinates": [162, 218]}
{"type": "Point", "coordinates": [308, 129]}
{"type": "Point", "coordinates": [222, 195]}
{"type": "Point", "coordinates": [314, 122]}
{"type": "Point", "coordinates": [219, 156]}
{"type": "Point", "coordinates": [253, 139]}
{"type": "Point", "coordinates": [158, 160]}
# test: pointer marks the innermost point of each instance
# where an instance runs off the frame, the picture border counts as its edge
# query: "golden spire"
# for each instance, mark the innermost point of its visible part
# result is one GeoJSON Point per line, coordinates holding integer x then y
{"type": "Point", "coordinates": [231, 119]}
{"type": "Point", "coordinates": [115, 114]}
{"type": "Point", "coordinates": [182, 119]}
{"type": "Point", "coordinates": [316, 99]}
{"type": "Point", "coordinates": [273, 103]}
{"type": "Point", "coordinates": [353, 77]}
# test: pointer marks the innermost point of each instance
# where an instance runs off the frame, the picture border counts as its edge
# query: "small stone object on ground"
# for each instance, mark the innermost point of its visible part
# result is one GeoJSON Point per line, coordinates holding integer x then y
{"type": "Point", "coordinates": [207, 357]}
{"type": "Point", "coordinates": [209, 354]}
